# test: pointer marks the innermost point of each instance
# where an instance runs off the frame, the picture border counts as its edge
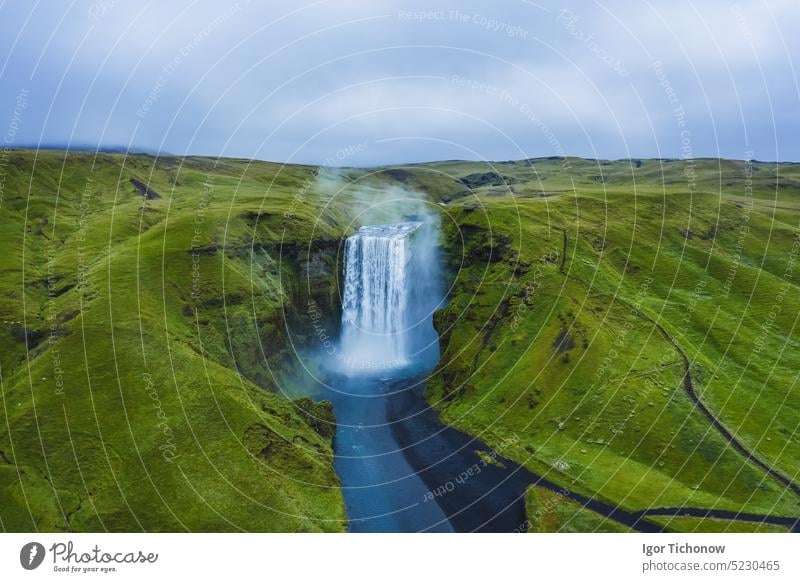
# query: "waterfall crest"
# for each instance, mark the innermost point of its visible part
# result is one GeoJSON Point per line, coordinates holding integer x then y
{"type": "Point", "coordinates": [378, 290]}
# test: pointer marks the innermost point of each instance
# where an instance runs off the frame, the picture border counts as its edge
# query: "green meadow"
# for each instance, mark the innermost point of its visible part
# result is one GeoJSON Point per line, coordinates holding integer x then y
{"type": "Point", "coordinates": [626, 329]}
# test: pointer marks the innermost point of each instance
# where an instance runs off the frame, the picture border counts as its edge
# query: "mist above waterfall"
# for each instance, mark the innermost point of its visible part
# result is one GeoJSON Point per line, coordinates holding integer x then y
{"type": "Point", "coordinates": [371, 200]}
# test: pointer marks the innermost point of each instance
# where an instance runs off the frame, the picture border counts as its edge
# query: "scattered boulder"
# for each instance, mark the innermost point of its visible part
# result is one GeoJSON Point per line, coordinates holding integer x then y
{"type": "Point", "coordinates": [22, 334]}
{"type": "Point", "coordinates": [564, 341]}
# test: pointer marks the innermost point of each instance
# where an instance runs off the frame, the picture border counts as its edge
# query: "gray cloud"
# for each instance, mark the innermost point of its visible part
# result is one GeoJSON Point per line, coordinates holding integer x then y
{"type": "Point", "coordinates": [411, 80]}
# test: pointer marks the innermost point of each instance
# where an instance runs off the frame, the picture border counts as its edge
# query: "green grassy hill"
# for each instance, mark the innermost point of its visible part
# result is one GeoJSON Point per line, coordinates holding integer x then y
{"type": "Point", "coordinates": [142, 326]}
{"type": "Point", "coordinates": [593, 298]}
{"type": "Point", "coordinates": [625, 328]}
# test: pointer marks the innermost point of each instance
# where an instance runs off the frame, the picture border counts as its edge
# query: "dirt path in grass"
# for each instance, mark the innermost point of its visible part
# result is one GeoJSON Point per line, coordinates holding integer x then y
{"type": "Point", "coordinates": [688, 387]}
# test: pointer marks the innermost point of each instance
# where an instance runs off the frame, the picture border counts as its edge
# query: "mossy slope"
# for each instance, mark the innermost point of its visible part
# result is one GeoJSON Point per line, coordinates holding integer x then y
{"type": "Point", "coordinates": [143, 336]}
{"type": "Point", "coordinates": [152, 309]}
{"type": "Point", "coordinates": [585, 293]}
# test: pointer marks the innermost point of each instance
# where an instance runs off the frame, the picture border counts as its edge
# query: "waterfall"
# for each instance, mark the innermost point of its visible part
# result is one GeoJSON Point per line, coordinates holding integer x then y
{"type": "Point", "coordinates": [378, 291]}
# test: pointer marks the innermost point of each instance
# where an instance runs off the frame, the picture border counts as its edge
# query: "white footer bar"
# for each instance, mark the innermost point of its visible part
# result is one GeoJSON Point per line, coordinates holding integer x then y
{"type": "Point", "coordinates": [390, 557]}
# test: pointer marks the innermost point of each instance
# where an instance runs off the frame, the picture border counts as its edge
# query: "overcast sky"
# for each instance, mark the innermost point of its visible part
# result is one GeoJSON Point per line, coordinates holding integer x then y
{"type": "Point", "coordinates": [369, 82]}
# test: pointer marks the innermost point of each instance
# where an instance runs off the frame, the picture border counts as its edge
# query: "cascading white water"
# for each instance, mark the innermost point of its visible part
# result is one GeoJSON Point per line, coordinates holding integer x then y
{"type": "Point", "coordinates": [377, 292]}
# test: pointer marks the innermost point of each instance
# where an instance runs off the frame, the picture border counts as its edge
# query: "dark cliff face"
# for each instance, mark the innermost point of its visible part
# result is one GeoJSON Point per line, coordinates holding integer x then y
{"type": "Point", "coordinates": [287, 301]}
{"type": "Point", "coordinates": [311, 277]}
{"type": "Point", "coordinates": [469, 249]}
{"type": "Point", "coordinates": [266, 340]}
